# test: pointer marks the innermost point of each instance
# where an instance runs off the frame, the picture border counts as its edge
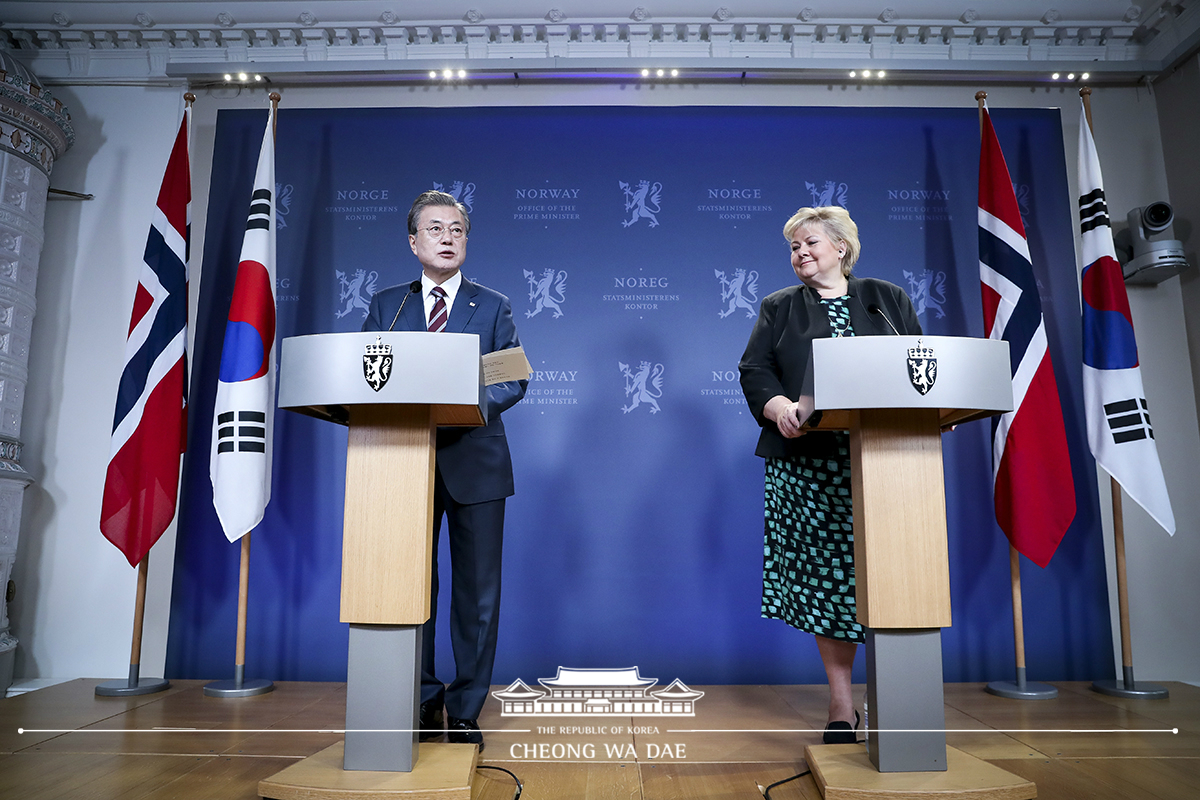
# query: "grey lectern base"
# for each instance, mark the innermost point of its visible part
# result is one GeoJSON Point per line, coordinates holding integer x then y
{"type": "Point", "coordinates": [135, 685]}
{"type": "Point", "coordinates": [383, 697]}
{"type": "Point", "coordinates": [906, 707]}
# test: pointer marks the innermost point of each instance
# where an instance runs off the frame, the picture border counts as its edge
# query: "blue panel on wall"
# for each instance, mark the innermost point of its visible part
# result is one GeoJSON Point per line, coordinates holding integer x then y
{"type": "Point", "coordinates": [635, 244]}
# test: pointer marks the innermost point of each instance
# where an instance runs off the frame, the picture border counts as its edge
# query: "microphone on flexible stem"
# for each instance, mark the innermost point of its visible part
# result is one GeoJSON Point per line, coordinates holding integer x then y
{"type": "Point", "coordinates": [413, 288]}
{"type": "Point", "coordinates": [875, 309]}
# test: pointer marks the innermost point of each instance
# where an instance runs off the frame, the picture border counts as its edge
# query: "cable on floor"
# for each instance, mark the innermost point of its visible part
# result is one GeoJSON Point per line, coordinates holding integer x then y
{"type": "Point", "coordinates": [766, 792]}
{"type": "Point", "coordinates": [520, 786]}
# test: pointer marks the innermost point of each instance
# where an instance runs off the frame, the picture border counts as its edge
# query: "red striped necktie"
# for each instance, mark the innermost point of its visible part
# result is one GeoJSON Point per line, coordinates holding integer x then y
{"type": "Point", "coordinates": [437, 317]}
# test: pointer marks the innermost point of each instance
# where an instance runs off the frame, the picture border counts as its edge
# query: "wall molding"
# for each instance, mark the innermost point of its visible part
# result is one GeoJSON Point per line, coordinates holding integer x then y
{"type": "Point", "coordinates": [307, 46]}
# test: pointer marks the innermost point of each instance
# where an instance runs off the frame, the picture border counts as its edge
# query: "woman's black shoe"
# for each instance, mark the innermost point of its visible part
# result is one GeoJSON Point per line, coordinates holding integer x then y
{"type": "Point", "coordinates": [840, 732]}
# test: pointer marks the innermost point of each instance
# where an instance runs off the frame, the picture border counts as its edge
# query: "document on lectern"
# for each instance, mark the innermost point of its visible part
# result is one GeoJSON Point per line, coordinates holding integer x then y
{"type": "Point", "coordinates": [506, 365]}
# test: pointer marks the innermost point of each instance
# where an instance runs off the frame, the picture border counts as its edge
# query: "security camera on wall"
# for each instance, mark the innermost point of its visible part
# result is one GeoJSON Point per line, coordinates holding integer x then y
{"type": "Point", "coordinates": [1157, 255]}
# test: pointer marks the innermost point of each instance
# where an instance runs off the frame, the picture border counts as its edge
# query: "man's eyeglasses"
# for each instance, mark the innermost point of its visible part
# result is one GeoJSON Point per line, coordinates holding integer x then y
{"type": "Point", "coordinates": [436, 232]}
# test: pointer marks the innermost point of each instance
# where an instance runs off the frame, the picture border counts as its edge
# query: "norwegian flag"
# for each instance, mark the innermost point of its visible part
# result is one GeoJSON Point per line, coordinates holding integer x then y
{"type": "Point", "coordinates": [244, 411]}
{"type": "Point", "coordinates": [1118, 418]}
{"type": "Point", "coordinates": [150, 424]}
{"type": "Point", "coordinates": [1034, 489]}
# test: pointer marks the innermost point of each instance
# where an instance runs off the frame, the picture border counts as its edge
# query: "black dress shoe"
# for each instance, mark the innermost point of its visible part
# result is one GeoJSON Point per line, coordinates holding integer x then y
{"type": "Point", "coordinates": [840, 732]}
{"type": "Point", "coordinates": [465, 731]}
{"type": "Point", "coordinates": [430, 722]}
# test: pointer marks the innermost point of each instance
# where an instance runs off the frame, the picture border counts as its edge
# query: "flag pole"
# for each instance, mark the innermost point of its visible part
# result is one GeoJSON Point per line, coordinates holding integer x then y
{"type": "Point", "coordinates": [1020, 689]}
{"type": "Point", "coordinates": [1125, 686]}
{"type": "Point", "coordinates": [239, 686]}
{"type": "Point", "coordinates": [135, 684]}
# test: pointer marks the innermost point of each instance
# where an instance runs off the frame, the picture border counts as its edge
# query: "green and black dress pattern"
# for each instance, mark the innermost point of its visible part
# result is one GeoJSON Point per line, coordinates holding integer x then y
{"type": "Point", "coordinates": [808, 558]}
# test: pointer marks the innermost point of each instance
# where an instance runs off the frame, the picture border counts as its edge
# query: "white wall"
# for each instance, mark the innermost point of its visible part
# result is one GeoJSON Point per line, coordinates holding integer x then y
{"type": "Point", "coordinates": [75, 595]}
{"type": "Point", "coordinates": [1167, 567]}
{"type": "Point", "coordinates": [73, 612]}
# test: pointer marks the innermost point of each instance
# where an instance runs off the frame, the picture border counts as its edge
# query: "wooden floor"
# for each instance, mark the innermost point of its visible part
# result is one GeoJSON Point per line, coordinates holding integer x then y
{"type": "Point", "coordinates": [76, 745]}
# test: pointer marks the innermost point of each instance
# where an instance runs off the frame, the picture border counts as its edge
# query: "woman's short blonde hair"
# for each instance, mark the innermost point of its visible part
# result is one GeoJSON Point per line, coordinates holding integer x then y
{"type": "Point", "coordinates": [835, 222]}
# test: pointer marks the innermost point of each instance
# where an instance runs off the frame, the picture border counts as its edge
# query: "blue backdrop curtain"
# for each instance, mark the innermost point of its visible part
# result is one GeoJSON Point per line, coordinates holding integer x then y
{"type": "Point", "coordinates": [631, 241]}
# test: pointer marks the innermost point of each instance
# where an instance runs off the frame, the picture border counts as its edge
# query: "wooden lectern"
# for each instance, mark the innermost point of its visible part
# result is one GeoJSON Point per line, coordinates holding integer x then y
{"type": "Point", "coordinates": [895, 395]}
{"type": "Point", "coordinates": [393, 390]}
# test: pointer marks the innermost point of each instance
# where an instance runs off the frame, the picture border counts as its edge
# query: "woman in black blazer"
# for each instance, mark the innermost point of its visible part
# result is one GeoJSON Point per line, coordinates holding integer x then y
{"type": "Point", "coordinates": [808, 566]}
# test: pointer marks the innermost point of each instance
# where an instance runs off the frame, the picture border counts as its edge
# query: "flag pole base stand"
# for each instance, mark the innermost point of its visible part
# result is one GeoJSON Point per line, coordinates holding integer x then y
{"type": "Point", "coordinates": [233, 688]}
{"type": "Point", "coordinates": [120, 688]}
{"type": "Point", "coordinates": [135, 684]}
{"type": "Point", "coordinates": [442, 771]}
{"type": "Point", "coordinates": [1139, 690]}
{"type": "Point", "coordinates": [1027, 690]}
{"type": "Point", "coordinates": [845, 772]}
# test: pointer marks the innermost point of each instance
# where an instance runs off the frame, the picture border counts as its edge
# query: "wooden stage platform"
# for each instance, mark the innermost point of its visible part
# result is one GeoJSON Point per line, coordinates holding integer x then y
{"type": "Point", "coordinates": [182, 745]}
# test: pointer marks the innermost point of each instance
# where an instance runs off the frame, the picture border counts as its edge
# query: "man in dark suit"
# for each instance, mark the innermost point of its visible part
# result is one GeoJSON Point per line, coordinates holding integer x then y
{"type": "Point", "coordinates": [474, 470]}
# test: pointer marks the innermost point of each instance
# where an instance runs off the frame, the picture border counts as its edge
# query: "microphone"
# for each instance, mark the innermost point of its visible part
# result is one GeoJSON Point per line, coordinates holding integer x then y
{"type": "Point", "coordinates": [875, 309]}
{"type": "Point", "coordinates": [413, 288]}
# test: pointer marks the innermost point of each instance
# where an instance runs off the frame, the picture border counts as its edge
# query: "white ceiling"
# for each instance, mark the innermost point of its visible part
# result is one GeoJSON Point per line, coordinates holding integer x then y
{"type": "Point", "coordinates": [342, 41]}
{"type": "Point", "coordinates": [175, 12]}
